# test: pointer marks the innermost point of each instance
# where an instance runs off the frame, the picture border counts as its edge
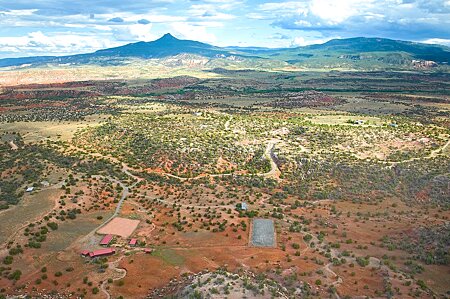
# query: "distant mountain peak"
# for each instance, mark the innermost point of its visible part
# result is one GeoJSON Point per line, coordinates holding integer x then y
{"type": "Point", "coordinates": [168, 36]}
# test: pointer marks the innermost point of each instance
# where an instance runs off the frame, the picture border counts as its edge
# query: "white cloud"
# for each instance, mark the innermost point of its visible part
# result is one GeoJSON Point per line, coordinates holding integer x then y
{"type": "Point", "coordinates": [303, 23]}
{"type": "Point", "coordinates": [141, 32]}
{"type": "Point", "coordinates": [154, 18]}
{"type": "Point", "coordinates": [208, 12]}
{"type": "Point", "coordinates": [129, 17]}
{"type": "Point", "coordinates": [224, 4]}
{"type": "Point", "coordinates": [102, 27]}
{"type": "Point", "coordinates": [329, 11]}
{"type": "Point", "coordinates": [67, 43]}
{"type": "Point", "coordinates": [336, 12]}
{"type": "Point", "coordinates": [398, 19]}
{"type": "Point", "coordinates": [18, 12]}
{"type": "Point", "coordinates": [193, 32]}
{"type": "Point", "coordinates": [256, 16]}
{"type": "Point", "coordinates": [439, 41]}
{"type": "Point", "coordinates": [301, 41]}
{"type": "Point", "coordinates": [283, 7]}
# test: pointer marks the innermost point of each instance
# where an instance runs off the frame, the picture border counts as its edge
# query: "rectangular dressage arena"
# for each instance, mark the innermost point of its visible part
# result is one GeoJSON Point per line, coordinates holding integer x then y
{"type": "Point", "coordinates": [120, 227]}
{"type": "Point", "coordinates": [263, 233]}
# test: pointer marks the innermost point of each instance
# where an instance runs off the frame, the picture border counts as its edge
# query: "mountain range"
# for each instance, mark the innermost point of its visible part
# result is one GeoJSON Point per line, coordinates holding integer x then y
{"type": "Point", "coordinates": [357, 52]}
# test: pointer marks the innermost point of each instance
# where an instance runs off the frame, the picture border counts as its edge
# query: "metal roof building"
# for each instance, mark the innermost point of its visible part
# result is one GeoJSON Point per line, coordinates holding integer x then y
{"type": "Point", "coordinates": [106, 240]}
{"type": "Point", "coordinates": [102, 252]}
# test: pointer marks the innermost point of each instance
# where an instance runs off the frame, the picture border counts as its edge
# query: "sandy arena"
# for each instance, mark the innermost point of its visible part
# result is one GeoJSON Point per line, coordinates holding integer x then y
{"type": "Point", "coordinates": [120, 227]}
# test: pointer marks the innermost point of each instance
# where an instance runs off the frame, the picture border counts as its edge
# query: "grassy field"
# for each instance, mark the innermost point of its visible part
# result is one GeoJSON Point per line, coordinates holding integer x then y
{"type": "Point", "coordinates": [40, 131]}
{"type": "Point", "coordinates": [344, 120]}
{"type": "Point", "coordinates": [70, 231]}
{"type": "Point", "coordinates": [169, 256]}
{"type": "Point", "coordinates": [32, 207]}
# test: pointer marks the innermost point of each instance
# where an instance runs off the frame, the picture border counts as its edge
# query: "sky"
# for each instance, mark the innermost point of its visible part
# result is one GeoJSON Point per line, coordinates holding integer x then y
{"type": "Point", "coordinates": [63, 27]}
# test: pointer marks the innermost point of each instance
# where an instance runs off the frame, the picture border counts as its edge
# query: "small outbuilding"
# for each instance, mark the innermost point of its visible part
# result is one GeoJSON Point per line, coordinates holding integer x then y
{"type": "Point", "coordinates": [101, 252]}
{"type": "Point", "coordinates": [132, 242]}
{"type": "Point", "coordinates": [29, 189]}
{"type": "Point", "coordinates": [45, 183]}
{"type": "Point", "coordinates": [85, 252]}
{"type": "Point", "coordinates": [148, 250]}
{"type": "Point", "coordinates": [106, 240]}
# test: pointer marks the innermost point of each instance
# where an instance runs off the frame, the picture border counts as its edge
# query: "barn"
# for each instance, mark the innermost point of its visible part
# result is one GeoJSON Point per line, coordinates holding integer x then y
{"type": "Point", "coordinates": [106, 240]}
{"type": "Point", "coordinates": [101, 252]}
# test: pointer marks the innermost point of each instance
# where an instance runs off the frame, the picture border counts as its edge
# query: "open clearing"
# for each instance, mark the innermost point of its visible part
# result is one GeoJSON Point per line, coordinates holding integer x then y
{"type": "Point", "coordinates": [120, 227]}
{"type": "Point", "coordinates": [42, 130]}
{"type": "Point", "coordinates": [69, 231]}
{"type": "Point", "coordinates": [30, 208]}
{"type": "Point", "coordinates": [340, 119]}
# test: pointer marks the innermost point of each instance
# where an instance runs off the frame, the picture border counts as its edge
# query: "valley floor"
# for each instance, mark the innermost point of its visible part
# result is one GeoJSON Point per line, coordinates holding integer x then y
{"type": "Point", "coordinates": [355, 181]}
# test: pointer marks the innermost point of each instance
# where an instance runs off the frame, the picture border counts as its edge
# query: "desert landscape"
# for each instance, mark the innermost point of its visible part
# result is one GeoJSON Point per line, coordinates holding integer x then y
{"type": "Point", "coordinates": [177, 169]}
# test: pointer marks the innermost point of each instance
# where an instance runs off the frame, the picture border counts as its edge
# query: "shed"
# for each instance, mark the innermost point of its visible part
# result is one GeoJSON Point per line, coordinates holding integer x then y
{"type": "Point", "coordinates": [102, 252]}
{"type": "Point", "coordinates": [244, 206]}
{"type": "Point", "coordinates": [132, 242]}
{"type": "Point", "coordinates": [85, 252]}
{"type": "Point", "coordinates": [29, 189]}
{"type": "Point", "coordinates": [45, 183]}
{"type": "Point", "coordinates": [106, 240]}
{"type": "Point", "coordinates": [148, 250]}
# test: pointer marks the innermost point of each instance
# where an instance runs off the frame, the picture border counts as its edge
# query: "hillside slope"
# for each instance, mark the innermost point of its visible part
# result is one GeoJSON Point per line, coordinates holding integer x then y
{"type": "Point", "coordinates": [358, 53]}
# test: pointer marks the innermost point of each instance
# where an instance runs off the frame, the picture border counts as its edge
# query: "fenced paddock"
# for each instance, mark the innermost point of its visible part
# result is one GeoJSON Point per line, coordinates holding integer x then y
{"type": "Point", "coordinates": [120, 227]}
{"type": "Point", "coordinates": [263, 233]}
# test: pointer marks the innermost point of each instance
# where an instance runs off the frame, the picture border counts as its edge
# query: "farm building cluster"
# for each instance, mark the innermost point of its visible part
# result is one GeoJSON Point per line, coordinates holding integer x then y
{"type": "Point", "coordinates": [117, 227]}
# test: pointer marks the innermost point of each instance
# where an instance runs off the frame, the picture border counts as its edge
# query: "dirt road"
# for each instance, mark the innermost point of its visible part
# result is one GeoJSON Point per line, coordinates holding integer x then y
{"type": "Point", "coordinates": [114, 267]}
{"type": "Point", "coordinates": [433, 154]}
{"type": "Point", "coordinates": [13, 145]}
{"type": "Point", "coordinates": [274, 172]}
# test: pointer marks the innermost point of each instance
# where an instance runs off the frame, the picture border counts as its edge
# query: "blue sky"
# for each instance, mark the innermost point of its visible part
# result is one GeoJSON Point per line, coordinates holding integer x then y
{"type": "Point", "coordinates": [62, 27]}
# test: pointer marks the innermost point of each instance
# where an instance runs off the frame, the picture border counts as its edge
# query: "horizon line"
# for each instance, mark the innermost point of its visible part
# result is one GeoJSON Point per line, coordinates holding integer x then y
{"type": "Point", "coordinates": [225, 47]}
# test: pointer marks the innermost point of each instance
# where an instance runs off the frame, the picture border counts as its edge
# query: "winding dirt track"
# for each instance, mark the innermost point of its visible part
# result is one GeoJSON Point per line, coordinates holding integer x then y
{"type": "Point", "coordinates": [13, 145]}
{"type": "Point", "coordinates": [433, 154]}
{"type": "Point", "coordinates": [274, 172]}
{"type": "Point", "coordinates": [114, 267]}
{"type": "Point", "coordinates": [268, 154]}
